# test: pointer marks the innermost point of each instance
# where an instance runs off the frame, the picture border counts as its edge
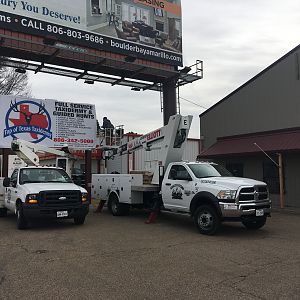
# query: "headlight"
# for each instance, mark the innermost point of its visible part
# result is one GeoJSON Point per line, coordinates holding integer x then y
{"type": "Point", "coordinates": [32, 198]}
{"type": "Point", "coordinates": [84, 197]}
{"type": "Point", "coordinates": [226, 195]}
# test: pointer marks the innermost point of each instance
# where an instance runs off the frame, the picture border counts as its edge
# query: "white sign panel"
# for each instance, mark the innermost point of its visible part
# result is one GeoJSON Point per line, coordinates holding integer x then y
{"type": "Point", "coordinates": [49, 122]}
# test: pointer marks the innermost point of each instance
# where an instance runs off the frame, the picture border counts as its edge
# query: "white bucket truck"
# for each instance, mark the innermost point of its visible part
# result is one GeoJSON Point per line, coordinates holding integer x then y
{"type": "Point", "coordinates": [206, 191]}
{"type": "Point", "coordinates": [41, 192]}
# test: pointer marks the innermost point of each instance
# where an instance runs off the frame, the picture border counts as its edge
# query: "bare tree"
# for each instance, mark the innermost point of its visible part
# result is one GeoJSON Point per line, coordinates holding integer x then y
{"type": "Point", "coordinates": [12, 82]}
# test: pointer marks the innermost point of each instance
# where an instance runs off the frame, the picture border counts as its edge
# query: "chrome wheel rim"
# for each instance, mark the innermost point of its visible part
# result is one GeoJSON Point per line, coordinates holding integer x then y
{"type": "Point", "coordinates": [205, 220]}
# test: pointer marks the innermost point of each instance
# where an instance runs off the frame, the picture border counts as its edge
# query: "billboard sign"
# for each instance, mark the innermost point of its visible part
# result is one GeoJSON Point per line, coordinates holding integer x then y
{"type": "Point", "coordinates": [48, 122]}
{"type": "Point", "coordinates": [149, 29]}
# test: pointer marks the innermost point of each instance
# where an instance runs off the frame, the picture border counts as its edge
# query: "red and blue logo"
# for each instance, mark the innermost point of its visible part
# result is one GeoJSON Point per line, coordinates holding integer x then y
{"type": "Point", "coordinates": [27, 117]}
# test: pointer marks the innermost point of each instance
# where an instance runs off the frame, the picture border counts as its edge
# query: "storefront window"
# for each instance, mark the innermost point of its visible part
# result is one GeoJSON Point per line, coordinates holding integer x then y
{"type": "Point", "coordinates": [160, 26]}
{"type": "Point", "coordinates": [96, 5]}
{"type": "Point", "coordinates": [158, 12]}
{"type": "Point", "coordinates": [236, 169]}
{"type": "Point", "coordinates": [271, 177]}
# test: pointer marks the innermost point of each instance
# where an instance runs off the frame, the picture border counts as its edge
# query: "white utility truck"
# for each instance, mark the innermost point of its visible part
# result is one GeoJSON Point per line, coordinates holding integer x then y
{"type": "Point", "coordinates": [204, 190]}
{"type": "Point", "coordinates": [39, 191]}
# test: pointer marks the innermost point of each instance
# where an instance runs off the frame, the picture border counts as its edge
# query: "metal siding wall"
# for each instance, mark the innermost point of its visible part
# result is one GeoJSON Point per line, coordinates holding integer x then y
{"type": "Point", "coordinates": [191, 150]}
{"type": "Point", "coordinates": [270, 102]}
{"type": "Point", "coordinates": [253, 168]}
{"type": "Point", "coordinates": [141, 156]}
{"type": "Point", "coordinates": [119, 164]}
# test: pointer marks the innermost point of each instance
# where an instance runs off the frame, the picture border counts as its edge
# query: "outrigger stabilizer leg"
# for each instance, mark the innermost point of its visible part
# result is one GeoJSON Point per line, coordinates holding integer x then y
{"type": "Point", "coordinates": [100, 206]}
{"type": "Point", "coordinates": [152, 217]}
{"type": "Point", "coordinates": [155, 210]}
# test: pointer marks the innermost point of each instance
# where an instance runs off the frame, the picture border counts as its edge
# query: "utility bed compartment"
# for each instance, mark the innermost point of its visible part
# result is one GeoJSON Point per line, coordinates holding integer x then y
{"type": "Point", "coordinates": [129, 187]}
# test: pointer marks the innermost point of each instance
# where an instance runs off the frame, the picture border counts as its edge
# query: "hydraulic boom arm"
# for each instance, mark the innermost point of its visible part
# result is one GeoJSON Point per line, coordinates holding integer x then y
{"type": "Point", "coordinates": [27, 151]}
{"type": "Point", "coordinates": [170, 140]}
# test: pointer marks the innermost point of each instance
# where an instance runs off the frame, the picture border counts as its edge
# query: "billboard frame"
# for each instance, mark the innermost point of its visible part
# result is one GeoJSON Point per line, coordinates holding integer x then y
{"type": "Point", "coordinates": [47, 56]}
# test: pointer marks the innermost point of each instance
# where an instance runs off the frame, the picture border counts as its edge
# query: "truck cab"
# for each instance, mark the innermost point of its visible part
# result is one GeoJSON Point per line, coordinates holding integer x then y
{"type": "Point", "coordinates": [190, 187]}
{"type": "Point", "coordinates": [44, 192]}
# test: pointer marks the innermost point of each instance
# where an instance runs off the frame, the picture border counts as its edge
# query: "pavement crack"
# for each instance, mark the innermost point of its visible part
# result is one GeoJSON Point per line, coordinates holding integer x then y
{"type": "Point", "coordinates": [2, 279]}
{"type": "Point", "coordinates": [24, 248]}
{"type": "Point", "coordinates": [39, 251]}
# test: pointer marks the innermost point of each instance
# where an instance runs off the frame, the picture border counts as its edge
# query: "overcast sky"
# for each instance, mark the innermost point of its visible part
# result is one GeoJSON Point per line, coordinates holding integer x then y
{"type": "Point", "coordinates": [236, 39]}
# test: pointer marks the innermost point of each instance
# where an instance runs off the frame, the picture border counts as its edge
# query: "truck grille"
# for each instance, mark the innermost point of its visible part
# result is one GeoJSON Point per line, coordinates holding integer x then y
{"type": "Point", "coordinates": [59, 198]}
{"type": "Point", "coordinates": [253, 194]}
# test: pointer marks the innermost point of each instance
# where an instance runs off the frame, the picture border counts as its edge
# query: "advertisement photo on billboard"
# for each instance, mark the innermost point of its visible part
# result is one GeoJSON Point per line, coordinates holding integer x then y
{"type": "Point", "coordinates": [144, 22]}
{"type": "Point", "coordinates": [151, 29]}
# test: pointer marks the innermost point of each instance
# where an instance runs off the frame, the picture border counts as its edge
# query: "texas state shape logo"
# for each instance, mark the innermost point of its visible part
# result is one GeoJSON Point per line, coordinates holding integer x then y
{"type": "Point", "coordinates": [28, 120]}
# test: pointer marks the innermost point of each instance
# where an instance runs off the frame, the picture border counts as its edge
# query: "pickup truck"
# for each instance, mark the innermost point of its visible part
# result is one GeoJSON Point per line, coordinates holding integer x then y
{"type": "Point", "coordinates": [205, 191]}
{"type": "Point", "coordinates": [42, 192]}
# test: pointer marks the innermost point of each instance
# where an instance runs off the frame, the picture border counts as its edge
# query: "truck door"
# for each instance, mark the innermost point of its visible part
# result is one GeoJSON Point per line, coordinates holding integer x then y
{"type": "Point", "coordinates": [177, 189]}
{"type": "Point", "coordinates": [11, 191]}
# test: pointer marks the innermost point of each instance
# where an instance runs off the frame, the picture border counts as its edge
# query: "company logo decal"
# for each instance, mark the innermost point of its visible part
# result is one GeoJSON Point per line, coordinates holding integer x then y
{"type": "Point", "coordinates": [28, 117]}
{"type": "Point", "coordinates": [177, 191]}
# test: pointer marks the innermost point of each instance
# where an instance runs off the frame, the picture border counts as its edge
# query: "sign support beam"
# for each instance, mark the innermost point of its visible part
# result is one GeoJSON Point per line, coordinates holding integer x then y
{"type": "Point", "coordinates": [169, 99]}
{"type": "Point", "coordinates": [88, 173]}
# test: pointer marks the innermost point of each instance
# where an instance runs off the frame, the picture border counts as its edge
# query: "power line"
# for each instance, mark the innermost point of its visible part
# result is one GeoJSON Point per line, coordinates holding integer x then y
{"type": "Point", "coordinates": [192, 102]}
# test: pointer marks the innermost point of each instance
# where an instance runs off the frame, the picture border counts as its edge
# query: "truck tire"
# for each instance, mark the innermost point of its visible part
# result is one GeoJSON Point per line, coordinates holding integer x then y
{"type": "Point", "coordinates": [21, 220]}
{"type": "Point", "coordinates": [207, 220]}
{"type": "Point", "coordinates": [255, 223]}
{"type": "Point", "coordinates": [116, 208]}
{"type": "Point", "coordinates": [3, 212]}
{"type": "Point", "coordinates": [79, 220]}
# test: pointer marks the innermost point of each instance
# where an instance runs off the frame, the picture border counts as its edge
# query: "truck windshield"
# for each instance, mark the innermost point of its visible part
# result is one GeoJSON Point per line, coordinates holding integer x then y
{"type": "Point", "coordinates": [39, 175]}
{"type": "Point", "coordinates": [209, 170]}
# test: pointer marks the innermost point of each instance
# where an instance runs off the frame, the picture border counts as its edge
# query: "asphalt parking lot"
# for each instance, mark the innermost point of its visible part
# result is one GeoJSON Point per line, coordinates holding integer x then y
{"type": "Point", "coordinates": [122, 258]}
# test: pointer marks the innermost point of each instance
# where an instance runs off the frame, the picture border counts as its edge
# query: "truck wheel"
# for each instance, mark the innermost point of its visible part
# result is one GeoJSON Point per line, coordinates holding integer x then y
{"type": "Point", "coordinates": [207, 220]}
{"type": "Point", "coordinates": [79, 220]}
{"type": "Point", "coordinates": [3, 212]}
{"type": "Point", "coordinates": [21, 220]}
{"type": "Point", "coordinates": [116, 208]}
{"type": "Point", "coordinates": [255, 223]}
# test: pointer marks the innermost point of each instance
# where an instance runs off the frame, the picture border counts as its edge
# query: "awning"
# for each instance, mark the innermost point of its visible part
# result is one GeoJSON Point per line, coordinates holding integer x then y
{"type": "Point", "coordinates": [279, 141]}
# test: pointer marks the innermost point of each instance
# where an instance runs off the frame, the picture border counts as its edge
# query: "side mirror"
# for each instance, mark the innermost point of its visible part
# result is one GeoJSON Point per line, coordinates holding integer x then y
{"type": "Point", "coordinates": [6, 182]}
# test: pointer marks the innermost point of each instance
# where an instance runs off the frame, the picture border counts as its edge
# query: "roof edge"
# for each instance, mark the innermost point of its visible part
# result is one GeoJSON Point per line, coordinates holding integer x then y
{"type": "Point", "coordinates": [259, 133]}
{"type": "Point", "coordinates": [251, 80]}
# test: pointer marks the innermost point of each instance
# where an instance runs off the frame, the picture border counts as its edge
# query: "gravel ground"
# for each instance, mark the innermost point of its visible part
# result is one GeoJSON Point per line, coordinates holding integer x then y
{"type": "Point", "coordinates": [123, 258]}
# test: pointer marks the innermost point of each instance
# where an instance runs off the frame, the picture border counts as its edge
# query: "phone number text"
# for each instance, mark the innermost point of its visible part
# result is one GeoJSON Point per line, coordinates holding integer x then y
{"type": "Point", "coordinates": [67, 140]}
